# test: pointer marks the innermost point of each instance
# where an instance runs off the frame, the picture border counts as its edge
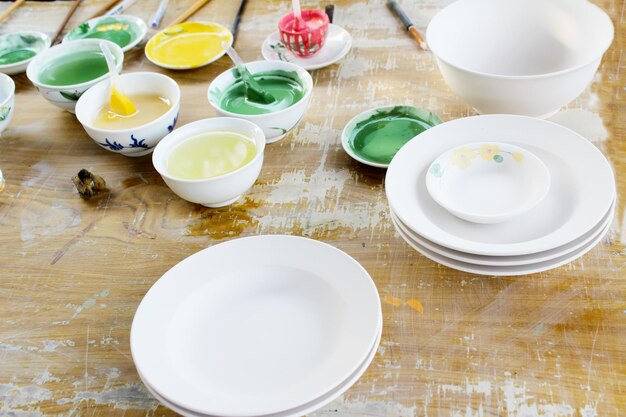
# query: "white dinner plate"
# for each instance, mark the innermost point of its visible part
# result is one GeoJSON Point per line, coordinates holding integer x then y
{"type": "Point", "coordinates": [501, 270]}
{"type": "Point", "coordinates": [298, 411]}
{"type": "Point", "coordinates": [510, 260]}
{"type": "Point", "coordinates": [255, 326]}
{"type": "Point", "coordinates": [582, 187]}
{"type": "Point", "coordinates": [337, 45]}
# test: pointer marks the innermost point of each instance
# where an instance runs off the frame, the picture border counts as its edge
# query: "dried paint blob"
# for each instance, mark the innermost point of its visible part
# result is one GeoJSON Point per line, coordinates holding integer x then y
{"type": "Point", "coordinates": [125, 31]}
{"type": "Point", "coordinates": [284, 86]}
{"type": "Point", "coordinates": [377, 136]}
{"type": "Point", "coordinates": [74, 68]}
{"type": "Point", "coordinates": [188, 45]}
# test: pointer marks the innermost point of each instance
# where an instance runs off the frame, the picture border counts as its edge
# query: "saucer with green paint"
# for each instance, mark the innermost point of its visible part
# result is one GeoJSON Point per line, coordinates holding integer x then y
{"type": "Point", "coordinates": [124, 30]}
{"type": "Point", "coordinates": [375, 136]}
{"type": "Point", "coordinates": [17, 49]}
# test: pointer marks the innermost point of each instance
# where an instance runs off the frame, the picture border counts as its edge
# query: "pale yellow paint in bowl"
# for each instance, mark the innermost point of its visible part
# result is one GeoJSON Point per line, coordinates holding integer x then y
{"type": "Point", "coordinates": [188, 45]}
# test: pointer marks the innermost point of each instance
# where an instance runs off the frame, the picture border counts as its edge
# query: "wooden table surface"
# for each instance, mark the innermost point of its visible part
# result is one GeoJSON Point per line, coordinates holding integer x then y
{"type": "Point", "coordinates": [454, 344]}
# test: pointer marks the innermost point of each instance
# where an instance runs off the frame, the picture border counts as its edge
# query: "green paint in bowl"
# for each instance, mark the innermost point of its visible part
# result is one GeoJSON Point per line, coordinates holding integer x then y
{"type": "Point", "coordinates": [126, 31]}
{"type": "Point", "coordinates": [17, 48]}
{"type": "Point", "coordinates": [374, 137]}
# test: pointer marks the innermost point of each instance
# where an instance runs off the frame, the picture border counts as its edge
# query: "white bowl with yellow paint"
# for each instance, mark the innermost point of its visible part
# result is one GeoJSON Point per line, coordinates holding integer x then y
{"type": "Point", "coordinates": [188, 45]}
{"type": "Point", "coordinates": [140, 140]}
{"type": "Point", "coordinates": [216, 191]}
{"type": "Point", "coordinates": [277, 124]}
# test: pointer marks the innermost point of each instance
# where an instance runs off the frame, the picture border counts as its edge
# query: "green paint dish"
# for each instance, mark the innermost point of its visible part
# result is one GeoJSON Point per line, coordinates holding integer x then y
{"type": "Point", "coordinates": [124, 30]}
{"type": "Point", "coordinates": [74, 68]}
{"type": "Point", "coordinates": [284, 86]}
{"type": "Point", "coordinates": [18, 48]}
{"type": "Point", "coordinates": [375, 136]}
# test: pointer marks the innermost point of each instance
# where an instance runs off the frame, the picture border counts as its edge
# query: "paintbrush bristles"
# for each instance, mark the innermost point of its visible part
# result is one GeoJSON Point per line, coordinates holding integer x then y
{"type": "Point", "coordinates": [418, 37]}
{"type": "Point", "coordinates": [189, 12]}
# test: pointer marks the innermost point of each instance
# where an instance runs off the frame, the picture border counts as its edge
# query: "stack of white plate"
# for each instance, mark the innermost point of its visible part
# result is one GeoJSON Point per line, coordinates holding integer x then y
{"type": "Point", "coordinates": [573, 217]}
{"type": "Point", "coordinates": [258, 326]}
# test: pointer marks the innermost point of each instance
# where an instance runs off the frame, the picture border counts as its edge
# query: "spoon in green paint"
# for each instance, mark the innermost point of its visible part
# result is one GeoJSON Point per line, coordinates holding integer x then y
{"type": "Point", "coordinates": [254, 92]}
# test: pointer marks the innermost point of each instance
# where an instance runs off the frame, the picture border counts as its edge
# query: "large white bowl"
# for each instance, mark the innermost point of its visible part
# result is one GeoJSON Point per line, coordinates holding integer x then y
{"type": "Point", "coordinates": [66, 96]}
{"type": "Point", "coordinates": [7, 102]}
{"type": "Point", "coordinates": [216, 191]}
{"type": "Point", "coordinates": [526, 57]}
{"type": "Point", "coordinates": [139, 140]}
{"type": "Point", "coordinates": [275, 125]}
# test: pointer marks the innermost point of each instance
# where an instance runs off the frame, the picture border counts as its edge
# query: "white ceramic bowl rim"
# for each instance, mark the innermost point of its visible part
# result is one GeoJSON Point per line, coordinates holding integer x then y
{"type": "Point", "coordinates": [40, 35]}
{"type": "Point", "coordinates": [183, 67]}
{"type": "Point", "coordinates": [598, 56]}
{"type": "Point", "coordinates": [11, 92]}
{"type": "Point", "coordinates": [528, 204]}
{"type": "Point", "coordinates": [157, 157]}
{"type": "Point", "coordinates": [105, 84]}
{"type": "Point", "coordinates": [307, 84]}
{"type": "Point", "coordinates": [34, 78]}
{"type": "Point", "coordinates": [345, 139]}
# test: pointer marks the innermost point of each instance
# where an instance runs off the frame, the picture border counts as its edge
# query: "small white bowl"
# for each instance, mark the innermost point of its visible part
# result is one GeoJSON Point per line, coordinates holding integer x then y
{"type": "Point", "coordinates": [519, 57]}
{"type": "Point", "coordinates": [35, 41]}
{"type": "Point", "coordinates": [140, 140]}
{"type": "Point", "coordinates": [275, 125]}
{"type": "Point", "coordinates": [7, 101]}
{"type": "Point", "coordinates": [66, 96]}
{"type": "Point", "coordinates": [216, 191]}
{"type": "Point", "coordinates": [488, 182]}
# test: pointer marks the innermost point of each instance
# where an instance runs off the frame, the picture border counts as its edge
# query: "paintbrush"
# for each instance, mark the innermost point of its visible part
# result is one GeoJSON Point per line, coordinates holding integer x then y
{"type": "Point", "coordinates": [120, 7]}
{"type": "Point", "coordinates": [189, 12]}
{"type": "Point", "coordinates": [235, 27]}
{"type": "Point", "coordinates": [68, 16]}
{"type": "Point", "coordinates": [330, 11]}
{"type": "Point", "coordinates": [155, 21]}
{"type": "Point", "coordinates": [104, 8]}
{"type": "Point", "coordinates": [395, 7]}
{"type": "Point", "coordinates": [10, 9]}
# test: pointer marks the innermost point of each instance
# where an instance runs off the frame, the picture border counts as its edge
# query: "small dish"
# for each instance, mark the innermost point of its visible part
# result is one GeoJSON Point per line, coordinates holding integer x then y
{"type": "Point", "coordinates": [66, 96]}
{"type": "Point", "coordinates": [216, 191]}
{"type": "Point", "coordinates": [188, 45]}
{"type": "Point", "coordinates": [338, 44]}
{"type": "Point", "coordinates": [7, 101]}
{"type": "Point", "coordinates": [375, 136]}
{"type": "Point", "coordinates": [277, 124]}
{"type": "Point", "coordinates": [488, 182]}
{"type": "Point", "coordinates": [124, 30]}
{"type": "Point", "coordinates": [140, 140]}
{"type": "Point", "coordinates": [17, 49]}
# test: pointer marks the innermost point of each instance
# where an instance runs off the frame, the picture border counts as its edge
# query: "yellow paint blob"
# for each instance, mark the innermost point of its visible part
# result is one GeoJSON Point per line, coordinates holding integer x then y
{"type": "Point", "coordinates": [188, 45]}
{"type": "Point", "coordinates": [210, 155]}
{"type": "Point", "coordinates": [120, 103]}
{"type": "Point", "coordinates": [149, 108]}
{"type": "Point", "coordinates": [394, 301]}
{"type": "Point", "coordinates": [416, 305]}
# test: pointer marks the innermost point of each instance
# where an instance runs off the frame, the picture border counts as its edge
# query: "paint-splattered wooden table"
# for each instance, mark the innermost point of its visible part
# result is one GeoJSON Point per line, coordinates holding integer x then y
{"type": "Point", "coordinates": [73, 272]}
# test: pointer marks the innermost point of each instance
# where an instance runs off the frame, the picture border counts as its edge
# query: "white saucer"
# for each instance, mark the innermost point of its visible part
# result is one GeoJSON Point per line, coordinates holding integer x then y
{"type": "Point", "coordinates": [255, 326]}
{"type": "Point", "coordinates": [337, 45]}
{"type": "Point", "coordinates": [295, 412]}
{"type": "Point", "coordinates": [502, 270]}
{"type": "Point", "coordinates": [582, 187]}
{"type": "Point", "coordinates": [509, 260]}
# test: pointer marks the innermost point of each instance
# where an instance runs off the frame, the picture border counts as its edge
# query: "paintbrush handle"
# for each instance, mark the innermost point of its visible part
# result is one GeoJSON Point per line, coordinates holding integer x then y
{"type": "Point", "coordinates": [125, 4]}
{"type": "Point", "coordinates": [189, 12]}
{"type": "Point", "coordinates": [330, 11]}
{"type": "Point", "coordinates": [395, 7]}
{"type": "Point", "coordinates": [104, 8]}
{"type": "Point", "coordinates": [155, 21]}
{"type": "Point", "coordinates": [10, 9]}
{"type": "Point", "coordinates": [68, 16]}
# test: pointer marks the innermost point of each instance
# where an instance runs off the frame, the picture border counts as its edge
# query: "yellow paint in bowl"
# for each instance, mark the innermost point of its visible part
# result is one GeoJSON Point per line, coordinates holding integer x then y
{"type": "Point", "coordinates": [188, 45]}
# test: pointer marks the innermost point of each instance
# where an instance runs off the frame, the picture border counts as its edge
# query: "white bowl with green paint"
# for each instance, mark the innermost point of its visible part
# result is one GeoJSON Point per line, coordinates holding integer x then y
{"type": "Point", "coordinates": [124, 30]}
{"type": "Point", "coordinates": [18, 49]}
{"type": "Point", "coordinates": [277, 124]}
{"type": "Point", "coordinates": [7, 101]}
{"type": "Point", "coordinates": [65, 95]}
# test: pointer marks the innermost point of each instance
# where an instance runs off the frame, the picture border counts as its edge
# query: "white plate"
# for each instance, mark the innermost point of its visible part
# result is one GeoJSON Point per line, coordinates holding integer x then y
{"type": "Point", "coordinates": [338, 44]}
{"type": "Point", "coordinates": [295, 412]}
{"type": "Point", "coordinates": [582, 190]}
{"type": "Point", "coordinates": [502, 270]}
{"type": "Point", "coordinates": [510, 260]}
{"type": "Point", "coordinates": [256, 325]}
{"type": "Point", "coordinates": [463, 179]}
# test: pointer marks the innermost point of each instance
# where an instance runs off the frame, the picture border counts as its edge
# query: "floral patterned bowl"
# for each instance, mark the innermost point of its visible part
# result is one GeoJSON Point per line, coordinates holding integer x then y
{"type": "Point", "coordinates": [66, 96]}
{"type": "Point", "coordinates": [488, 182]}
{"type": "Point", "coordinates": [140, 140]}
{"type": "Point", "coordinates": [7, 101]}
